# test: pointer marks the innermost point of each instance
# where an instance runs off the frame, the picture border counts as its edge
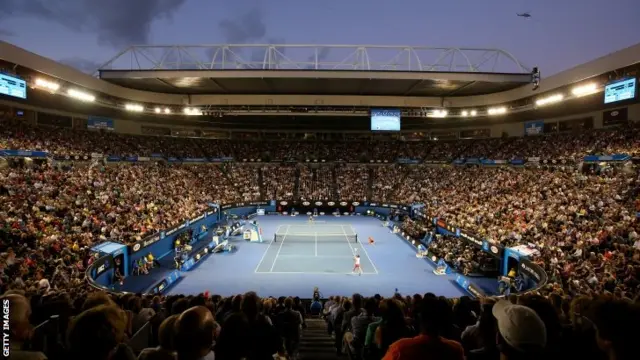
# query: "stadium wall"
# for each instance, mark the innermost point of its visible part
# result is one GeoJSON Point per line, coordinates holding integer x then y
{"type": "Point", "coordinates": [512, 129]}
{"type": "Point", "coordinates": [135, 127]}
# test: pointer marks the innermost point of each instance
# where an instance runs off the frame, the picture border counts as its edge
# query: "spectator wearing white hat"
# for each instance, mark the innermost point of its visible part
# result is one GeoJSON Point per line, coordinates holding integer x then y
{"type": "Point", "coordinates": [521, 333]}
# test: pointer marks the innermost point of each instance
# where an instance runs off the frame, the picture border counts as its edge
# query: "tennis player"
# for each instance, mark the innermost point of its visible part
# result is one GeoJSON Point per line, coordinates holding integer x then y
{"type": "Point", "coordinates": [356, 265]}
{"type": "Point", "coordinates": [311, 220]}
{"type": "Point", "coordinates": [371, 241]}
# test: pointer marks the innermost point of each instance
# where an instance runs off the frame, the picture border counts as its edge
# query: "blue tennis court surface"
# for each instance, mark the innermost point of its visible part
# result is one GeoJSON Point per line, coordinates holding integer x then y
{"type": "Point", "coordinates": [319, 248]}
{"type": "Point", "coordinates": [303, 255]}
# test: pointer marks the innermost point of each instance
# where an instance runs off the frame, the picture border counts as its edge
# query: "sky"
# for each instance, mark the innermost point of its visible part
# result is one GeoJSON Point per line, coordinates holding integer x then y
{"type": "Point", "coordinates": [560, 34]}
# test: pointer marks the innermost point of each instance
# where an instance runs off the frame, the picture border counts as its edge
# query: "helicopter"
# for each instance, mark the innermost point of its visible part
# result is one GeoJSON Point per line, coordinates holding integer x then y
{"type": "Point", "coordinates": [524, 15]}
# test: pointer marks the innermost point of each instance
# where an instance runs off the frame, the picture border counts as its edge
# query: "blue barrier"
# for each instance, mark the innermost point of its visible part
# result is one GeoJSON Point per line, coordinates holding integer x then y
{"type": "Point", "coordinates": [606, 158]}
{"type": "Point", "coordinates": [467, 286]}
{"type": "Point", "coordinates": [24, 153]}
{"type": "Point", "coordinates": [197, 257]}
{"type": "Point", "coordinates": [161, 244]}
{"type": "Point", "coordinates": [164, 284]}
{"type": "Point", "coordinates": [534, 273]}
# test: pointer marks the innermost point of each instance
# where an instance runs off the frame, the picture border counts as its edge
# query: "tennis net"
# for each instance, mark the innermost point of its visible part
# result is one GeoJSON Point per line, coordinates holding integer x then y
{"type": "Point", "coordinates": [313, 237]}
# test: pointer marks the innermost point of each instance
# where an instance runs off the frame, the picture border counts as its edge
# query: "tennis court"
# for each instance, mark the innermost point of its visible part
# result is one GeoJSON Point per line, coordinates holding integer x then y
{"type": "Point", "coordinates": [304, 256]}
{"type": "Point", "coordinates": [314, 249]}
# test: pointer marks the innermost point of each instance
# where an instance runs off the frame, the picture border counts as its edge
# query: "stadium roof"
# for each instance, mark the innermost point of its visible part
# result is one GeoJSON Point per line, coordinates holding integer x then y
{"type": "Point", "coordinates": [316, 69]}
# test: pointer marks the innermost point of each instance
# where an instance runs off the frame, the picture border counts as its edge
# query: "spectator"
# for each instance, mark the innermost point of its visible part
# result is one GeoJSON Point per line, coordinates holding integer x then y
{"type": "Point", "coordinates": [99, 333]}
{"type": "Point", "coordinates": [481, 336]}
{"type": "Point", "coordinates": [521, 333]}
{"type": "Point", "coordinates": [356, 302]}
{"type": "Point", "coordinates": [166, 349]}
{"type": "Point", "coordinates": [248, 334]}
{"type": "Point", "coordinates": [21, 329]}
{"type": "Point", "coordinates": [288, 323]}
{"type": "Point", "coordinates": [195, 331]}
{"type": "Point", "coordinates": [616, 323]}
{"type": "Point", "coordinates": [338, 317]}
{"type": "Point", "coordinates": [393, 325]}
{"type": "Point", "coordinates": [359, 325]}
{"type": "Point", "coordinates": [430, 343]}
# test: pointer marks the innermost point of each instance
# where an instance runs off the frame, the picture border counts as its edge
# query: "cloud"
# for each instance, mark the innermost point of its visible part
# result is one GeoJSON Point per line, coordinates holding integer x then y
{"type": "Point", "coordinates": [245, 28]}
{"type": "Point", "coordinates": [117, 23]}
{"type": "Point", "coordinates": [84, 65]}
{"type": "Point", "coordinates": [4, 33]}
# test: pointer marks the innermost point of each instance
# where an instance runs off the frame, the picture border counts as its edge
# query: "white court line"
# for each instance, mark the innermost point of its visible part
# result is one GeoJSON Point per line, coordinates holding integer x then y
{"type": "Point", "coordinates": [280, 248]}
{"type": "Point", "coordinates": [313, 273]}
{"type": "Point", "coordinates": [315, 234]}
{"type": "Point", "coordinates": [353, 251]}
{"type": "Point", "coordinates": [319, 256]}
{"type": "Point", "coordinates": [365, 251]}
{"type": "Point", "coordinates": [266, 251]}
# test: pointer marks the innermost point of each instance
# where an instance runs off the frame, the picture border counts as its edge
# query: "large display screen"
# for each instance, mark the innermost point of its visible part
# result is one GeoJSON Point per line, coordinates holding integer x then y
{"type": "Point", "coordinates": [12, 86]}
{"type": "Point", "coordinates": [620, 90]}
{"type": "Point", "coordinates": [99, 123]}
{"type": "Point", "coordinates": [385, 120]}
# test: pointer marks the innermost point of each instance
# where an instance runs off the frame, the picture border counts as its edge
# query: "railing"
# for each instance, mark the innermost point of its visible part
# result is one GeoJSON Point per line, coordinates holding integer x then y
{"type": "Point", "coordinates": [92, 282]}
{"type": "Point", "coordinates": [143, 337]}
{"type": "Point", "coordinates": [47, 336]}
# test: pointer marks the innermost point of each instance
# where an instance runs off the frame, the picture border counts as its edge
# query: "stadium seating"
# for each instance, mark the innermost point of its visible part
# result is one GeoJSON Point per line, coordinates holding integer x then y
{"type": "Point", "coordinates": [582, 219]}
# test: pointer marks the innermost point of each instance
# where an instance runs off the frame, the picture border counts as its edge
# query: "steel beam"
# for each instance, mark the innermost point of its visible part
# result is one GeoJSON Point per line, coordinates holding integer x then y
{"type": "Point", "coordinates": [315, 57]}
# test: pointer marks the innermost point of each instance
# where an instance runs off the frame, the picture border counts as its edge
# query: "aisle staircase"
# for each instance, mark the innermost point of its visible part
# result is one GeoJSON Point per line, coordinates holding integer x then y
{"type": "Point", "coordinates": [296, 186]}
{"type": "Point", "coordinates": [315, 343]}
{"type": "Point", "coordinates": [225, 170]}
{"type": "Point", "coordinates": [372, 174]}
{"type": "Point", "coordinates": [404, 173]}
{"type": "Point", "coordinates": [261, 185]}
{"type": "Point", "coordinates": [334, 183]}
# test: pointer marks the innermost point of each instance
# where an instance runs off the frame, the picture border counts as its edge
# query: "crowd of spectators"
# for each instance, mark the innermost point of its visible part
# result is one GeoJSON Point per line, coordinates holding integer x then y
{"type": "Point", "coordinates": [246, 180]}
{"type": "Point", "coordinates": [462, 256]}
{"type": "Point", "coordinates": [386, 182]}
{"type": "Point", "coordinates": [353, 182]}
{"type": "Point", "coordinates": [570, 216]}
{"type": "Point", "coordinates": [278, 182]}
{"type": "Point", "coordinates": [63, 141]}
{"type": "Point", "coordinates": [206, 326]}
{"type": "Point", "coordinates": [316, 183]}
{"type": "Point", "coordinates": [577, 221]}
{"type": "Point", "coordinates": [583, 225]}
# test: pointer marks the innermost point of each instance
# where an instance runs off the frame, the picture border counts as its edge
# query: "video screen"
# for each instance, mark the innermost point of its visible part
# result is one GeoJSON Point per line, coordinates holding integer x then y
{"type": "Point", "coordinates": [12, 86]}
{"type": "Point", "coordinates": [385, 120]}
{"type": "Point", "coordinates": [620, 90]}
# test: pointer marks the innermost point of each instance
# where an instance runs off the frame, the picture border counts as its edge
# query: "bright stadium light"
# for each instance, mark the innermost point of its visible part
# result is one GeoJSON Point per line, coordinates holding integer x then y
{"type": "Point", "coordinates": [497, 111]}
{"type": "Point", "coordinates": [134, 107]}
{"type": "Point", "coordinates": [48, 85]}
{"type": "Point", "coordinates": [167, 111]}
{"type": "Point", "coordinates": [439, 114]}
{"type": "Point", "coordinates": [466, 113]}
{"type": "Point", "coordinates": [192, 111]}
{"type": "Point", "coordinates": [583, 90]}
{"type": "Point", "coordinates": [158, 110]}
{"type": "Point", "coordinates": [82, 96]}
{"type": "Point", "coordinates": [549, 100]}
